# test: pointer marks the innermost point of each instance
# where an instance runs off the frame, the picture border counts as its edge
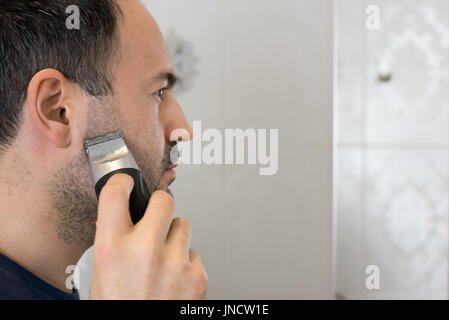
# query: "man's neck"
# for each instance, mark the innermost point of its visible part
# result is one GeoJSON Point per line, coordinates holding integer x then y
{"type": "Point", "coordinates": [28, 234]}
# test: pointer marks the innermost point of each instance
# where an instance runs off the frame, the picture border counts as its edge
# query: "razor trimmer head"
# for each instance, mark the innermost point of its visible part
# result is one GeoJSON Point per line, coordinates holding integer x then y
{"type": "Point", "coordinates": [109, 155]}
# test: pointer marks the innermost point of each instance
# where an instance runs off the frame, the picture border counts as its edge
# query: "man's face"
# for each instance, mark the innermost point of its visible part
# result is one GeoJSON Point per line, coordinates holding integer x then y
{"type": "Point", "coordinates": [141, 107]}
{"type": "Point", "coordinates": [147, 110]}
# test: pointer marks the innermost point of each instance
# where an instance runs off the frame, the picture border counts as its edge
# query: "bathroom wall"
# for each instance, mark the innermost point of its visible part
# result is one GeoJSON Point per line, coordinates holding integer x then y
{"type": "Point", "coordinates": [393, 143]}
{"type": "Point", "coordinates": [262, 65]}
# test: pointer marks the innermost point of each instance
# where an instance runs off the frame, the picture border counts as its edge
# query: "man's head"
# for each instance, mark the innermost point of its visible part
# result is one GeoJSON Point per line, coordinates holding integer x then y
{"type": "Point", "coordinates": [59, 86]}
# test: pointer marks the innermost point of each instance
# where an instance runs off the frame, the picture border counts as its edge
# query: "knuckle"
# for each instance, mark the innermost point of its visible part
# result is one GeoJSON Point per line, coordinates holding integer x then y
{"type": "Point", "coordinates": [182, 223]}
{"type": "Point", "coordinates": [163, 198]}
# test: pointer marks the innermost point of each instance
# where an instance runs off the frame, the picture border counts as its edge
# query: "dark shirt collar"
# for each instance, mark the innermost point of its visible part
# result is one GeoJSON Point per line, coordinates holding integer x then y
{"type": "Point", "coordinates": [25, 285]}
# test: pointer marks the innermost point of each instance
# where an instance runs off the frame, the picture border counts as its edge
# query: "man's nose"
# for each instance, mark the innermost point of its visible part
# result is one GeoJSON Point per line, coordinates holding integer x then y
{"type": "Point", "coordinates": [177, 126]}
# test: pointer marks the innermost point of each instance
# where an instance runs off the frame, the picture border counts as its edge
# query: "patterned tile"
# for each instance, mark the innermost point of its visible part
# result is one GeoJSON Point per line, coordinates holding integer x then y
{"type": "Point", "coordinates": [406, 222]}
{"type": "Point", "coordinates": [393, 204]}
{"type": "Point", "coordinates": [413, 43]}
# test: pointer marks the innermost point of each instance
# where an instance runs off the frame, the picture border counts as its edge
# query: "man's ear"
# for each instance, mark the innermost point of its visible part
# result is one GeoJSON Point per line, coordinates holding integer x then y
{"type": "Point", "coordinates": [47, 100]}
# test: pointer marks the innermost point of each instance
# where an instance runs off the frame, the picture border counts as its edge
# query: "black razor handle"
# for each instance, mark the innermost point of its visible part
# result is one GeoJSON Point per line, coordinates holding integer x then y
{"type": "Point", "coordinates": [140, 195]}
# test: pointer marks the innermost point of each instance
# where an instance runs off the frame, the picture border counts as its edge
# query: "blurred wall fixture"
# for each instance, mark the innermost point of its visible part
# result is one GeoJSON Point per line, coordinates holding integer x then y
{"type": "Point", "coordinates": [384, 72]}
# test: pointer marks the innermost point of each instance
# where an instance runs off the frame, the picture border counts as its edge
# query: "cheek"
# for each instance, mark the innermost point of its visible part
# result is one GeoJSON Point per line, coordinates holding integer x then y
{"type": "Point", "coordinates": [151, 140]}
{"type": "Point", "coordinates": [143, 128]}
{"type": "Point", "coordinates": [146, 138]}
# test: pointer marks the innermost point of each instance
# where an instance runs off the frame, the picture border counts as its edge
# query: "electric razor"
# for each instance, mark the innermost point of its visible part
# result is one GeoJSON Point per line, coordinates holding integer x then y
{"type": "Point", "coordinates": [109, 155]}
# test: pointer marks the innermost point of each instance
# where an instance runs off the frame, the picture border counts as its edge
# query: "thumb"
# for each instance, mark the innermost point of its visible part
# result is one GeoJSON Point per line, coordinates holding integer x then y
{"type": "Point", "coordinates": [114, 218]}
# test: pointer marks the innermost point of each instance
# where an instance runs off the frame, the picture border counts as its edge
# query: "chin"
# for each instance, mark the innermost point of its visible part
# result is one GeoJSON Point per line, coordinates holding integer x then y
{"type": "Point", "coordinates": [168, 177]}
{"type": "Point", "coordinates": [170, 193]}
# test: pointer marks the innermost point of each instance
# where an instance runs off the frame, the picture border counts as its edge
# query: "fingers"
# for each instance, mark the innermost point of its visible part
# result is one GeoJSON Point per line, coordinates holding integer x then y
{"type": "Point", "coordinates": [179, 238]}
{"type": "Point", "coordinates": [196, 261]}
{"type": "Point", "coordinates": [157, 219]}
{"type": "Point", "coordinates": [200, 278]}
{"type": "Point", "coordinates": [194, 256]}
{"type": "Point", "coordinates": [114, 218]}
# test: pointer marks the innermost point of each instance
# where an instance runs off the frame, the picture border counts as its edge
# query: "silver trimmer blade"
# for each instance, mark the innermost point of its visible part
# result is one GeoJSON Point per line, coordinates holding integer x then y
{"type": "Point", "coordinates": [108, 153]}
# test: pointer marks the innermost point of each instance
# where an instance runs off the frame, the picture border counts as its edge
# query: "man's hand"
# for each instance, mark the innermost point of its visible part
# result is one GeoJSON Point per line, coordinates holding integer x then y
{"type": "Point", "coordinates": [151, 260]}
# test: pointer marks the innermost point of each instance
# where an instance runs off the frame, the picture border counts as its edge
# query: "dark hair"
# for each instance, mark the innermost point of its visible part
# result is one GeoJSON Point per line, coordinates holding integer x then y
{"type": "Point", "coordinates": [34, 36]}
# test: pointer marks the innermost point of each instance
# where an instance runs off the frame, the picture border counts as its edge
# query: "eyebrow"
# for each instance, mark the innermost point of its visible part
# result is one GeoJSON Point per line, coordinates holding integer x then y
{"type": "Point", "coordinates": [170, 77]}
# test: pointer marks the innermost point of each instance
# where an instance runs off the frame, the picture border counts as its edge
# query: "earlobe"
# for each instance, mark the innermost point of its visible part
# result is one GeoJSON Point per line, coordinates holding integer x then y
{"type": "Point", "coordinates": [47, 106]}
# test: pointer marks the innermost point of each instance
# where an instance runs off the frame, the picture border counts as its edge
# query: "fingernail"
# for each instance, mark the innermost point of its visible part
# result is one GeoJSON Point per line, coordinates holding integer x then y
{"type": "Point", "coordinates": [130, 184]}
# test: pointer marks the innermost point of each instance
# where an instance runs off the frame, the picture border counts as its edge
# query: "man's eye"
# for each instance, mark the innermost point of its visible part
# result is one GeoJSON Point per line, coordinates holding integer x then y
{"type": "Point", "coordinates": [160, 93]}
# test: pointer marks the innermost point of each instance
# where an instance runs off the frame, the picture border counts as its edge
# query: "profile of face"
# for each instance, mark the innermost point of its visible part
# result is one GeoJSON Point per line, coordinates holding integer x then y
{"type": "Point", "coordinates": [142, 106]}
